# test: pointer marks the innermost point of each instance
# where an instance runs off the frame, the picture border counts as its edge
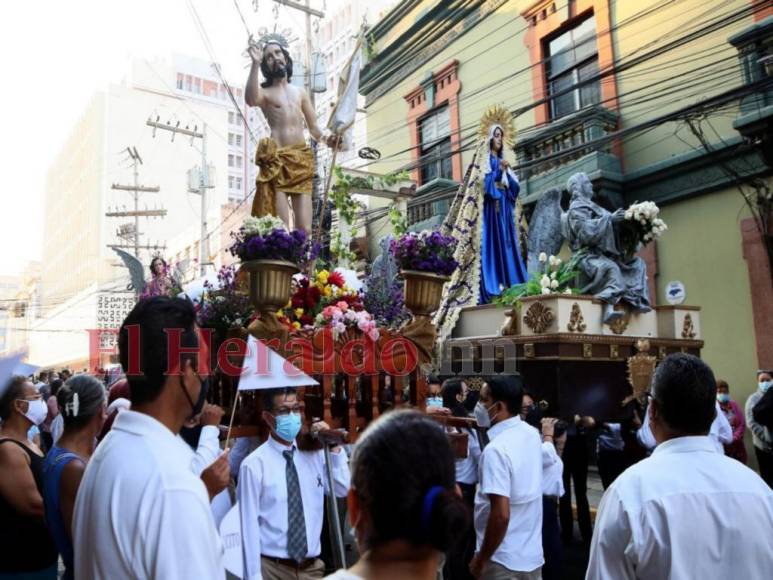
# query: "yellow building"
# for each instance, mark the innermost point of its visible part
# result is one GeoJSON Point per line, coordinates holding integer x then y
{"type": "Point", "coordinates": [664, 101]}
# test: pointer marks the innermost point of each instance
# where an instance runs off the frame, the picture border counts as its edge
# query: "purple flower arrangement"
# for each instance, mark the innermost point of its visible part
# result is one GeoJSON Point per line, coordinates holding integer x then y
{"type": "Point", "coordinates": [266, 238]}
{"type": "Point", "coordinates": [426, 252]}
{"type": "Point", "coordinates": [383, 292]}
{"type": "Point", "coordinates": [222, 306]}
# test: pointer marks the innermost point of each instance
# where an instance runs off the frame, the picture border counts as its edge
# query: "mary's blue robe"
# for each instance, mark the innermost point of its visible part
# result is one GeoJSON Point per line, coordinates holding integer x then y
{"type": "Point", "coordinates": [501, 264]}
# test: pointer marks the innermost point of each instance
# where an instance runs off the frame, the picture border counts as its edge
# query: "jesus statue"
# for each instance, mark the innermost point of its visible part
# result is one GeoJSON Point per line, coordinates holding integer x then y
{"type": "Point", "coordinates": [286, 162]}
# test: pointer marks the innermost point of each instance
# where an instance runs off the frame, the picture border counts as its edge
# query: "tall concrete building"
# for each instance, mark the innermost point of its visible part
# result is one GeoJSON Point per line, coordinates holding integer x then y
{"type": "Point", "coordinates": [335, 40]}
{"type": "Point", "coordinates": [78, 265]}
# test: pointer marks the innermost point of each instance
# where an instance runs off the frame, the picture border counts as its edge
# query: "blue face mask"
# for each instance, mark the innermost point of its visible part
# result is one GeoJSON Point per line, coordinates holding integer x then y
{"type": "Point", "coordinates": [288, 426]}
{"type": "Point", "coordinates": [764, 385]}
{"type": "Point", "coordinates": [435, 402]}
{"type": "Point", "coordinates": [723, 398]}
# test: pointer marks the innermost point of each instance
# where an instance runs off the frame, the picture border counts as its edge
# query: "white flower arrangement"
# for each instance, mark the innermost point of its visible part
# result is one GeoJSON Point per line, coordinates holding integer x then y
{"type": "Point", "coordinates": [543, 257]}
{"type": "Point", "coordinates": [644, 225]}
{"type": "Point", "coordinates": [262, 226]}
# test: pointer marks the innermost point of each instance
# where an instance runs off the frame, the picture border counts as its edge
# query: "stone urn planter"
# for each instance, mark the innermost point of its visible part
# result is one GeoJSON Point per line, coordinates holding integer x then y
{"type": "Point", "coordinates": [423, 291]}
{"type": "Point", "coordinates": [270, 289]}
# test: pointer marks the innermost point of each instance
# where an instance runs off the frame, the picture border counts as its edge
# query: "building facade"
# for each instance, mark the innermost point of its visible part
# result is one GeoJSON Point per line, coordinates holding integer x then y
{"type": "Point", "coordinates": [335, 39]}
{"type": "Point", "coordinates": [654, 101]}
{"type": "Point", "coordinates": [78, 263]}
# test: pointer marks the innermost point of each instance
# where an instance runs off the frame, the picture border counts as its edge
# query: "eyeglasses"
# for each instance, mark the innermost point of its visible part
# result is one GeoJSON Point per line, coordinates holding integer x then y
{"type": "Point", "coordinates": [285, 410]}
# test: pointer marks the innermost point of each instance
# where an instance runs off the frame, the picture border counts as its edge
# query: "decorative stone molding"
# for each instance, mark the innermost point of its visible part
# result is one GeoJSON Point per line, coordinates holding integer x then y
{"type": "Point", "coordinates": [587, 350]}
{"type": "Point", "coordinates": [619, 325]}
{"type": "Point", "coordinates": [688, 331]}
{"type": "Point", "coordinates": [576, 320]}
{"type": "Point", "coordinates": [538, 317]}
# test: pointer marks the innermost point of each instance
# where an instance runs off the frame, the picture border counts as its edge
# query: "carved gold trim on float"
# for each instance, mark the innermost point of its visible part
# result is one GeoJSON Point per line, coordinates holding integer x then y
{"type": "Point", "coordinates": [538, 317]}
{"type": "Point", "coordinates": [510, 326]}
{"type": "Point", "coordinates": [528, 350]}
{"type": "Point", "coordinates": [620, 325]}
{"type": "Point", "coordinates": [587, 350]}
{"type": "Point", "coordinates": [614, 351]}
{"type": "Point", "coordinates": [688, 329]}
{"type": "Point", "coordinates": [641, 367]}
{"type": "Point", "coordinates": [576, 320]}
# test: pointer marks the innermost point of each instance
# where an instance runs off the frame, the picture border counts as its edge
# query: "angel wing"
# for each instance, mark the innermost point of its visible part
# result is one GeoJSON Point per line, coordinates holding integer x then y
{"type": "Point", "coordinates": [136, 270]}
{"type": "Point", "coordinates": [179, 271]}
{"type": "Point", "coordinates": [545, 231]}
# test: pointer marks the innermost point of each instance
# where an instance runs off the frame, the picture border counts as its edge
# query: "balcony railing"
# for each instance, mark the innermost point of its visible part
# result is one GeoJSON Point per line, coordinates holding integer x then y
{"type": "Point", "coordinates": [431, 202]}
{"type": "Point", "coordinates": [568, 133]}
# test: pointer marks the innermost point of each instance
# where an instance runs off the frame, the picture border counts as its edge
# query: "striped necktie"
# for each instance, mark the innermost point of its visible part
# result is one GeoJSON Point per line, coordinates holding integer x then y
{"type": "Point", "coordinates": [296, 523]}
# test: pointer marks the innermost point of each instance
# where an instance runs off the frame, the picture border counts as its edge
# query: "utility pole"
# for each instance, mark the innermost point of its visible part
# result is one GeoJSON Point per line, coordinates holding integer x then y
{"type": "Point", "coordinates": [204, 181]}
{"type": "Point", "coordinates": [131, 232]}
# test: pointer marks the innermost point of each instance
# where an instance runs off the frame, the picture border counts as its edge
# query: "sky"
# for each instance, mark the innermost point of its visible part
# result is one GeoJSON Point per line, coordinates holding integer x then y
{"type": "Point", "coordinates": [56, 54]}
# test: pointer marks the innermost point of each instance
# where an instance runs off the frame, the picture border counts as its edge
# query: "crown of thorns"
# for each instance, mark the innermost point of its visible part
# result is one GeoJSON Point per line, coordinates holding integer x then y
{"type": "Point", "coordinates": [273, 38]}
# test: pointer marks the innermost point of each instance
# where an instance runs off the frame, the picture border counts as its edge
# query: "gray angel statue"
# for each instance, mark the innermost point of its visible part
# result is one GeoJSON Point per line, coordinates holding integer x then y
{"type": "Point", "coordinates": [605, 271]}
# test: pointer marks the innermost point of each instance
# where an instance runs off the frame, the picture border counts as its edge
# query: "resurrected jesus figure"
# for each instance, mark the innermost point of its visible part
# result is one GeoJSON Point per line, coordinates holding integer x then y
{"type": "Point", "coordinates": [285, 159]}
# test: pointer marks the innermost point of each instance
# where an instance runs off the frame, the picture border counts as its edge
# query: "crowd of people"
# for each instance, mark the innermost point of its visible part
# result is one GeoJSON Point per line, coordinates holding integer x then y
{"type": "Point", "coordinates": [125, 477]}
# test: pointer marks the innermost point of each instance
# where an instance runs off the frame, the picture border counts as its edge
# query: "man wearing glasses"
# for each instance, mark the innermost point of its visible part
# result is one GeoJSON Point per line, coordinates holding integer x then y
{"type": "Point", "coordinates": [281, 496]}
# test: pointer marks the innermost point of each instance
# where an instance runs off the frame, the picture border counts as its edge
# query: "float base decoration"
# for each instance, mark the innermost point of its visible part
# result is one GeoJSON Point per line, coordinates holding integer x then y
{"type": "Point", "coordinates": [567, 355]}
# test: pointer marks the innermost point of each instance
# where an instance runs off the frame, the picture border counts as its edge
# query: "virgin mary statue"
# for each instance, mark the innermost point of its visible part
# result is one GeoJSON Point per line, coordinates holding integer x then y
{"type": "Point", "coordinates": [482, 218]}
{"type": "Point", "coordinates": [501, 263]}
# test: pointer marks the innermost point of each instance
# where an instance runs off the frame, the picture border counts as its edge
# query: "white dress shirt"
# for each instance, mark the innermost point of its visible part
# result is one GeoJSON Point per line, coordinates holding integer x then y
{"type": "Point", "coordinates": [552, 471]}
{"type": "Point", "coordinates": [511, 466]}
{"type": "Point", "coordinates": [140, 511]}
{"type": "Point", "coordinates": [208, 449]}
{"type": "Point", "coordinates": [687, 512]}
{"type": "Point", "coordinates": [262, 497]}
{"type": "Point", "coordinates": [721, 432]}
{"type": "Point", "coordinates": [467, 468]}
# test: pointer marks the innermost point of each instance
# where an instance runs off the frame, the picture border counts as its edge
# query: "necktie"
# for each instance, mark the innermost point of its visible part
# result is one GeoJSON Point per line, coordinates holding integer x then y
{"type": "Point", "coordinates": [296, 523]}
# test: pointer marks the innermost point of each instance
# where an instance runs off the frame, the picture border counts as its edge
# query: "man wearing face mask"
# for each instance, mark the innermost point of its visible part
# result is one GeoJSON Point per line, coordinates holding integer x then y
{"type": "Point", "coordinates": [762, 437]}
{"type": "Point", "coordinates": [140, 511]}
{"type": "Point", "coordinates": [508, 503]}
{"type": "Point", "coordinates": [281, 495]}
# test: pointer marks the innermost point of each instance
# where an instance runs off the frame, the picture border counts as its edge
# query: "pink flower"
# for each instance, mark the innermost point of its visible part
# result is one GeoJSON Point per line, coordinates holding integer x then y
{"type": "Point", "coordinates": [343, 305]}
{"type": "Point", "coordinates": [373, 334]}
{"type": "Point", "coordinates": [327, 312]}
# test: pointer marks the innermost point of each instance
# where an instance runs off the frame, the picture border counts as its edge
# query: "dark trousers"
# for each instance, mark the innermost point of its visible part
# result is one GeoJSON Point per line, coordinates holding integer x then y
{"type": "Point", "coordinates": [765, 461]}
{"type": "Point", "coordinates": [611, 463]}
{"type": "Point", "coordinates": [575, 469]}
{"type": "Point", "coordinates": [458, 559]}
{"type": "Point", "coordinates": [551, 541]}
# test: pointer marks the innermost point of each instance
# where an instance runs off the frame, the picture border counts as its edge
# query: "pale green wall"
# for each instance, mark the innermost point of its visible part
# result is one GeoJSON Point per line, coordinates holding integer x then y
{"type": "Point", "coordinates": [493, 49]}
{"type": "Point", "coordinates": [702, 248]}
{"type": "Point", "coordinates": [688, 72]}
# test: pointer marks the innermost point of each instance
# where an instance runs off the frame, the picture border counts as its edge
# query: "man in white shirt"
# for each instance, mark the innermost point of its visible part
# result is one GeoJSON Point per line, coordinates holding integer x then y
{"type": "Point", "coordinates": [687, 511]}
{"type": "Point", "coordinates": [281, 495]}
{"type": "Point", "coordinates": [721, 432]}
{"type": "Point", "coordinates": [140, 511]}
{"type": "Point", "coordinates": [508, 504]}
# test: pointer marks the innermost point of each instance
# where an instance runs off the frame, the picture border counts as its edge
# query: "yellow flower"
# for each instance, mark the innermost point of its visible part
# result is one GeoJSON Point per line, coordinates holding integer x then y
{"type": "Point", "coordinates": [322, 276]}
{"type": "Point", "coordinates": [299, 312]}
{"type": "Point", "coordinates": [328, 291]}
{"type": "Point", "coordinates": [280, 313]}
{"type": "Point", "coordinates": [296, 325]}
{"type": "Point", "coordinates": [289, 303]}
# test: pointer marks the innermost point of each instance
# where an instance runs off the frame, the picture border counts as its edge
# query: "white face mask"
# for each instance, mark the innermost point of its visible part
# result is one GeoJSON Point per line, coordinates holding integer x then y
{"type": "Point", "coordinates": [36, 411]}
{"type": "Point", "coordinates": [764, 385]}
{"type": "Point", "coordinates": [481, 415]}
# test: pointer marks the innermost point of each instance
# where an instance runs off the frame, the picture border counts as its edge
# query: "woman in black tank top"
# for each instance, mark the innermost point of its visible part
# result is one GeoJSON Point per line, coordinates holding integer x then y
{"type": "Point", "coordinates": [26, 547]}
